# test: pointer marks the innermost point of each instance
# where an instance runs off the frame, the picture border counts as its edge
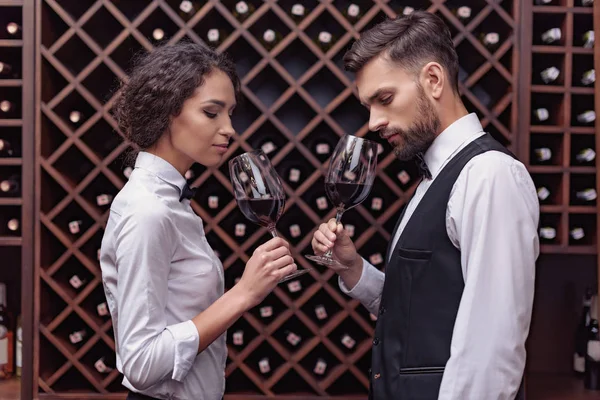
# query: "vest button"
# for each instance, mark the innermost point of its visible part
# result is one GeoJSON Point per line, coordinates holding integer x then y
{"type": "Point", "coordinates": [375, 341]}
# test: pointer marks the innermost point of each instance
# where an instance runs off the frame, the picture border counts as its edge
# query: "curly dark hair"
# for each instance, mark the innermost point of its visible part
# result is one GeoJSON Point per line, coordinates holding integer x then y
{"type": "Point", "coordinates": [159, 83]}
{"type": "Point", "coordinates": [411, 41]}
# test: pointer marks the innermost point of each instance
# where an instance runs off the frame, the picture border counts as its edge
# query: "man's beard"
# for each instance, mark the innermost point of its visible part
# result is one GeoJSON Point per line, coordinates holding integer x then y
{"type": "Point", "coordinates": [419, 136]}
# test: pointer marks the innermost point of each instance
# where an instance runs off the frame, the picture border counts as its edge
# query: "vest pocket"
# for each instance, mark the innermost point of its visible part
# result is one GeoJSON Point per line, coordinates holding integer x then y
{"type": "Point", "coordinates": [421, 370]}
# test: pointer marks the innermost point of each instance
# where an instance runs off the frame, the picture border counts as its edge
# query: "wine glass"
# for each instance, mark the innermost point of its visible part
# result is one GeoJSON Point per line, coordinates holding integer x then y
{"type": "Point", "coordinates": [259, 192]}
{"type": "Point", "coordinates": [349, 180]}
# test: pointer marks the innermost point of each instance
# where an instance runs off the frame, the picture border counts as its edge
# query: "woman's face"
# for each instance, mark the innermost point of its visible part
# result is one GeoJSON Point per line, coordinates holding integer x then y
{"type": "Point", "coordinates": [203, 129]}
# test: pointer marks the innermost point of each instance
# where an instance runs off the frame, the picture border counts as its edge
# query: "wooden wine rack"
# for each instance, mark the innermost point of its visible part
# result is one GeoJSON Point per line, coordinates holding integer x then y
{"type": "Point", "coordinates": [296, 96]}
{"type": "Point", "coordinates": [564, 98]}
{"type": "Point", "coordinates": [17, 127]}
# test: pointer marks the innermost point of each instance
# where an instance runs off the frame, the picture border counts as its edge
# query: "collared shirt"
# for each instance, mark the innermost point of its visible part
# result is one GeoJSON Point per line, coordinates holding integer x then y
{"type": "Point", "coordinates": [492, 218]}
{"type": "Point", "coordinates": [159, 272]}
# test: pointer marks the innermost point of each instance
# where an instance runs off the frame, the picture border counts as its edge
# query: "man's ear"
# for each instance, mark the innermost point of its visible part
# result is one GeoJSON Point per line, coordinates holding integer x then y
{"type": "Point", "coordinates": [433, 79]}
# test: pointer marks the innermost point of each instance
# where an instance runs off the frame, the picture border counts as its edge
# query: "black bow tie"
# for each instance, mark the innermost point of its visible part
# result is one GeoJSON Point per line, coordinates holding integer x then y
{"type": "Point", "coordinates": [422, 165]}
{"type": "Point", "coordinates": [187, 192]}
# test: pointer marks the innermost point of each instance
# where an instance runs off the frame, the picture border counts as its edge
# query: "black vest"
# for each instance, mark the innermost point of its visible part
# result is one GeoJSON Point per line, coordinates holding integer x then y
{"type": "Point", "coordinates": [421, 294]}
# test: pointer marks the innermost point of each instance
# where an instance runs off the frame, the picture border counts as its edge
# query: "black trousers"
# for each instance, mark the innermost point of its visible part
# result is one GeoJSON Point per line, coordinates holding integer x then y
{"type": "Point", "coordinates": [139, 396]}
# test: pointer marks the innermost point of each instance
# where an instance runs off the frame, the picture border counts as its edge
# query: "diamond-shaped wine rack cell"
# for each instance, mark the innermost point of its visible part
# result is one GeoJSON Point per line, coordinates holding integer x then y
{"type": "Point", "coordinates": [306, 337]}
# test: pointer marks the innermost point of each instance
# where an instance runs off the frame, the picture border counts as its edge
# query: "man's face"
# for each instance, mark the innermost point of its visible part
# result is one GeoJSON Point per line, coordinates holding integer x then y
{"type": "Point", "coordinates": [399, 108]}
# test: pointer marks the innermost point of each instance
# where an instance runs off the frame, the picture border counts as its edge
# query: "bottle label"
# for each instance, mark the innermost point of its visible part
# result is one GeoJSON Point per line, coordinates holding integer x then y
{"type": "Point", "coordinates": [213, 202]}
{"type": "Point", "coordinates": [295, 230]}
{"type": "Point", "coordinates": [294, 286]}
{"type": "Point", "coordinates": [587, 117]}
{"type": "Point", "coordinates": [241, 7]}
{"type": "Point", "coordinates": [543, 154]}
{"type": "Point", "coordinates": [240, 230]}
{"type": "Point", "coordinates": [543, 193]}
{"type": "Point", "coordinates": [542, 114]}
{"type": "Point", "coordinates": [322, 203]}
{"type": "Point", "coordinates": [589, 77]}
{"type": "Point", "coordinates": [578, 363]}
{"type": "Point", "coordinates": [298, 10]}
{"type": "Point", "coordinates": [3, 349]}
{"type": "Point", "coordinates": [186, 6]}
{"type": "Point", "coordinates": [550, 74]}
{"type": "Point", "coordinates": [548, 233]}
{"type": "Point", "coordinates": [586, 155]}
{"type": "Point", "coordinates": [293, 339]}
{"type": "Point", "coordinates": [238, 338]}
{"type": "Point", "coordinates": [587, 194]}
{"type": "Point", "coordinates": [403, 177]}
{"type": "Point", "coordinates": [551, 35]}
{"type": "Point", "coordinates": [577, 233]}
{"type": "Point", "coordinates": [264, 366]}
{"type": "Point", "coordinates": [325, 37]}
{"type": "Point", "coordinates": [320, 367]}
{"type": "Point", "coordinates": [491, 39]}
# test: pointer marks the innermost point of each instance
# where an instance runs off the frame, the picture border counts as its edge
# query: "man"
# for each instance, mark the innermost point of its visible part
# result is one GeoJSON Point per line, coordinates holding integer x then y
{"type": "Point", "coordinates": [454, 305]}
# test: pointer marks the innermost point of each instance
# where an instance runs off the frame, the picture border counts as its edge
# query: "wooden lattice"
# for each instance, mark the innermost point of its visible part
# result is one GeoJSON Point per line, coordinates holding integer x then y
{"type": "Point", "coordinates": [296, 96]}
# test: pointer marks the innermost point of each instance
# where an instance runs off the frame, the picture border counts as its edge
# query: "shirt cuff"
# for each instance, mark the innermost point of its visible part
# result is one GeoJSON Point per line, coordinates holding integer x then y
{"type": "Point", "coordinates": [369, 287]}
{"type": "Point", "coordinates": [186, 340]}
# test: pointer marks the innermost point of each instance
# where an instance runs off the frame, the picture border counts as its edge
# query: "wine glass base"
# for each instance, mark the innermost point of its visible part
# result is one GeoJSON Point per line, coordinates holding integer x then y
{"type": "Point", "coordinates": [295, 274]}
{"type": "Point", "coordinates": [327, 261]}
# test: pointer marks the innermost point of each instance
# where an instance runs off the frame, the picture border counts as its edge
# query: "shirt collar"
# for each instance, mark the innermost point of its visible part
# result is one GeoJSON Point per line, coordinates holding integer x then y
{"type": "Point", "coordinates": [451, 138]}
{"type": "Point", "coordinates": [161, 168]}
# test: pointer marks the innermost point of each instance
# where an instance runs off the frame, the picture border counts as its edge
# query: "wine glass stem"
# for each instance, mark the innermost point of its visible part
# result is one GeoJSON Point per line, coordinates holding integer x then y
{"type": "Point", "coordinates": [338, 218]}
{"type": "Point", "coordinates": [273, 232]}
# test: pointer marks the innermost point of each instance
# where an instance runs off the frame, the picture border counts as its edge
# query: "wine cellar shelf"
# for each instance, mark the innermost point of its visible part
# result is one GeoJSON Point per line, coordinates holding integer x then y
{"type": "Point", "coordinates": [306, 338]}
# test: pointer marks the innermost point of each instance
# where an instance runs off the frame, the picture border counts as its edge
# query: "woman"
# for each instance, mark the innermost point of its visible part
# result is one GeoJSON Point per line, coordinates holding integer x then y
{"type": "Point", "coordinates": [163, 283]}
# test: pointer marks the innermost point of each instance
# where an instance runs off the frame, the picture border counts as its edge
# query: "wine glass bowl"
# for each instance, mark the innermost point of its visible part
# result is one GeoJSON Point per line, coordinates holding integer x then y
{"type": "Point", "coordinates": [350, 176]}
{"type": "Point", "coordinates": [259, 192]}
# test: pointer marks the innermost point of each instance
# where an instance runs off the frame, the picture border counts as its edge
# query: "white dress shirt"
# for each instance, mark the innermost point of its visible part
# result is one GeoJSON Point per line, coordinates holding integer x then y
{"type": "Point", "coordinates": [492, 218]}
{"type": "Point", "coordinates": [159, 272]}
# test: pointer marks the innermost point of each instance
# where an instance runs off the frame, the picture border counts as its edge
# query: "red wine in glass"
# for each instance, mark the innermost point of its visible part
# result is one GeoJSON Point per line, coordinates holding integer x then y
{"type": "Point", "coordinates": [350, 176]}
{"type": "Point", "coordinates": [259, 192]}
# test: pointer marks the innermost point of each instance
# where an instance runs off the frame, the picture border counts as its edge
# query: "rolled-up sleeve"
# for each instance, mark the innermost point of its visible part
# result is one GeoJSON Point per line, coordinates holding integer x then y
{"type": "Point", "coordinates": [368, 289]}
{"type": "Point", "coordinates": [150, 349]}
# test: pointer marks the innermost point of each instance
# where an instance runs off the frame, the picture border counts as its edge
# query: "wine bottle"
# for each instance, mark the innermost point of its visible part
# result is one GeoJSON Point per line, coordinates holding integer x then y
{"type": "Point", "coordinates": [187, 9]}
{"type": "Point", "coordinates": [324, 40]}
{"type": "Point", "coordinates": [215, 37]}
{"type": "Point", "coordinates": [19, 347]}
{"type": "Point", "coordinates": [75, 116]}
{"type": "Point", "coordinates": [6, 337]}
{"type": "Point", "coordinates": [5, 68]}
{"type": "Point", "coordinates": [297, 12]}
{"type": "Point", "coordinates": [5, 148]}
{"type": "Point", "coordinates": [158, 34]}
{"type": "Point", "coordinates": [588, 77]}
{"type": "Point", "coordinates": [348, 342]}
{"type": "Point", "coordinates": [243, 10]}
{"type": "Point", "coordinates": [268, 147]}
{"type": "Point", "coordinates": [407, 10]}
{"type": "Point", "coordinates": [13, 28]}
{"type": "Point", "coordinates": [543, 193]}
{"type": "Point", "coordinates": [102, 309]}
{"type": "Point", "coordinates": [550, 74]}
{"type": "Point", "coordinates": [321, 312]}
{"type": "Point", "coordinates": [320, 367]}
{"type": "Point", "coordinates": [294, 286]}
{"type": "Point", "coordinates": [403, 177]}
{"type": "Point", "coordinates": [585, 155]}
{"type": "Point", "coordinates": [581, 334]}
{"type": "Point", "coordinates": [322, 203]}
{"type": "Point", "coordinates": [541, 114]}
{"type": "Point", "coordinates": [266, 311]}
{"type": "Point", "coordinates": [587, 3]}
{"type": "Point", "coordinates": [552, 35]}
{"type": "Point", "coordinates": [6, 106]}
{"type": "Point", "coordinates": [462, 13]}
{"type": "Point", "coordinates": [587, 194]}
{"type": "Point", "coordinates": [294, 175]}
{"type": "Point", "coordinates": [101, 366]}
{"type": "Point", "coordinates": [588, 39]}
{"type": "Point", "coordinates": [543, 154]}
{"type": "Point", "coordinates": [238, 338]}
{"type": "Point", "coordinates": [77, 336]}
{"type": "Point", "coordinates": [322, 149]}
{"type": "Point", "coordinates": [587, 117]}
{"type": "Point", "coordinates": [490, 40]}
{"type": "Point", "coordinates": [577, 233]}
{"type": "Point", "coordinates": [295, 230]}
{"type": "Point", "coordinates": [213, 202]}
{"type": "Point", "coordinates": [10, 186]}
{"type": "Point", "coordinates": [591, 379]}
{"type": "Point", "coordinates": [547, 233]}
{"type": "Point", "coordinates": [13, 225]}
{"type": "Point", "coordinates": [103, 199]}
{"type": "Point", "coordinates": [264, 366]}
{"type": "Point", "coordinates": [270, 38]}
{"type": "Point", "coordinates": [292, 338]}
{"type": "Point", "coordinates": [240, 230]}
{"type": "Point", "coordinates": [352, 12]}
{"type": "Point", "coordinates": [75, 226]}
{"type": "Point", "coordinates": [77, 282]}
